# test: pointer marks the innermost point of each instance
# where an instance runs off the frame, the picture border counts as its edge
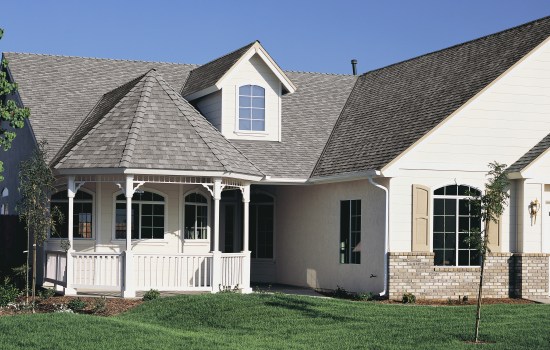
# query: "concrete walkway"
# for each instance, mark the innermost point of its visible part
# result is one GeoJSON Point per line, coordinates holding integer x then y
{"type": "Point", "coordinates": [541, 300]}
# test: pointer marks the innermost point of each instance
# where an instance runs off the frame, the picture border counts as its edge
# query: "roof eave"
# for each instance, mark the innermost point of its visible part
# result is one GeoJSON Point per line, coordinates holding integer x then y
{"type": "Point", "coordinates": [351, 176]}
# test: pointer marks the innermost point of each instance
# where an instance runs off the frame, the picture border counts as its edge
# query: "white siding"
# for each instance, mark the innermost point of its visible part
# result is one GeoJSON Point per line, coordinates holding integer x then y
{"type": "Point", "coordinates": [307, 237]}
{"type": "Point", "coordinates": [211, 107]}
{"type": "Point", "coordinates": [255, 72]}
{"type": "Point", "coordinates": [501, 124]}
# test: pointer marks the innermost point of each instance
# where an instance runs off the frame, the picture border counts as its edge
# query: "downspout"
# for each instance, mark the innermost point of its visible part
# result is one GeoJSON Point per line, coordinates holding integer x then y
{"type": "Point", "coordinates": [386, 234]}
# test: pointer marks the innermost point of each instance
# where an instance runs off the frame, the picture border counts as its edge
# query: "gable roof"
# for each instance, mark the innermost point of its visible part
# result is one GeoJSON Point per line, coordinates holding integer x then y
{"type": "Point", "coordinates": [532, 155]}
{"type": "Point", "coordinates": [393, 107]}
{"type": "Point", "coordinates": [146, 124]}
{"type": "Point", "coordinates": [208, 77]}
{"type": "Point", "coordinates": [209, 73]}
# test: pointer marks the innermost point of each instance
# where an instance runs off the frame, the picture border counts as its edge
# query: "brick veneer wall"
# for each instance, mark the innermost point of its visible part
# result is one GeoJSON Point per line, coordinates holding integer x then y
{"type": "Point", "coordinates": [506, 275]}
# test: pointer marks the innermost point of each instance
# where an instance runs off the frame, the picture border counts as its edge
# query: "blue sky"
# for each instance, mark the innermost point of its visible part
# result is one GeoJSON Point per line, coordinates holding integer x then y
{"type": "Point", "coordinates": [319, 36]}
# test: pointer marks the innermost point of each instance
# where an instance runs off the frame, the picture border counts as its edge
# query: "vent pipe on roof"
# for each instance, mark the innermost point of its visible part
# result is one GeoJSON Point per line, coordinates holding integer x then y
{"type": "Point", "coordinates": [354, 66]}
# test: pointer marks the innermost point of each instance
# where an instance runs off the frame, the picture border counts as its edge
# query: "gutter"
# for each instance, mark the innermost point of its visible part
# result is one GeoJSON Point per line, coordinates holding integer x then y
{"type": "Point", "coordinates": [386, 234]}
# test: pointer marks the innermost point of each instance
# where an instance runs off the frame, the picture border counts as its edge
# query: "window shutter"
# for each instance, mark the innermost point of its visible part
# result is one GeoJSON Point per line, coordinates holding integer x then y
{"type": "Point", "coordinates": [420, 218]}
{"type": "Point", "coordinates": [494, 233]}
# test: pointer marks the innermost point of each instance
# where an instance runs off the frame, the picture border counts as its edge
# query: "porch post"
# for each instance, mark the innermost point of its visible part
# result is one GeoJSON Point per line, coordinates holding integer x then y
{"type": "Point", "coordinates": [129, 289]}
{"type": "Point", "coordinates": [216, 254]}
{"type": "Point", "coordinates": [71, 192]}
{"type": "Point", "coordinates": [246, 260]}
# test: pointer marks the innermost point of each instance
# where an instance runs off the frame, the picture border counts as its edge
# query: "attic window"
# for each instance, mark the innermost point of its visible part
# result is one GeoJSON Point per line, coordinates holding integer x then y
{"type": "Point", "coordinates": [251, 108]}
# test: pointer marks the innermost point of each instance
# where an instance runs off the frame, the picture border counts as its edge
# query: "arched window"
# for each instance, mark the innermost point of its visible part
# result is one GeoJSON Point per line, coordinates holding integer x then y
{"type": "Point", "coordinates": [147, 216]}
{"type": "Point", "coordinates": [261, 226]}
{"type": "Point", "coordinates": [453, 220]}
{"type": "Point", "coordinates": [196, 216]}
{"type": "Point", "coordinates": [82, 214]}
{"type": "Point", "coordinates": [251, 108]}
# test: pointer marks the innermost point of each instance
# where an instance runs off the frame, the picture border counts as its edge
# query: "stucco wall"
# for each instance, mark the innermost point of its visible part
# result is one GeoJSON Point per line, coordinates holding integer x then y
{"type": "Point", "coordinates": [307, 236]}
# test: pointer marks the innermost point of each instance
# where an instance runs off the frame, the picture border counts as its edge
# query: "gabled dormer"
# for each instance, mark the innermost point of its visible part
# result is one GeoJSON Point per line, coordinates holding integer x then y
{"type": "Point", "coordinates": [240, 93]}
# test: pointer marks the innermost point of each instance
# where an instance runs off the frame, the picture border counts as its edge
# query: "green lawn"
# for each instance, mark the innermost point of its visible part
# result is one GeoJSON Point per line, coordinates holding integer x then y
{"type": "Point", "coordinates": [277, 321]}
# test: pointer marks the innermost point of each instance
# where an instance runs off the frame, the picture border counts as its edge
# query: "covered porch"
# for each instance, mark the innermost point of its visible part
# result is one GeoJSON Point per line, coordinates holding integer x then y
{"type": "Point", "coordinates": [136, 264]}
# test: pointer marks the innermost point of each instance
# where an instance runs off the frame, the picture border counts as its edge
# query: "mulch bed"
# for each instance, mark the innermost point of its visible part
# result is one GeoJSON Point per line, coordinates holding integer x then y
{"type": "Point", "coordinates": [456, 302]}
{"type": "Point", "coordinates": [113, 306]}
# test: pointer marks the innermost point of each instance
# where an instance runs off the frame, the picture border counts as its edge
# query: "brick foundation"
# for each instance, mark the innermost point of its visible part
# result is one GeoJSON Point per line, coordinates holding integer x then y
{"type": "Point", "coordinates": [506, 275]}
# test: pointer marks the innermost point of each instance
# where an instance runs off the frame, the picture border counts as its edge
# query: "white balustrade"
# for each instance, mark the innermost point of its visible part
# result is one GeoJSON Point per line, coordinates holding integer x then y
{"type": "Point", "coordinates": [185, 272]}
{"type": "Point", "coordinates": [97, 270]}
{"type": "Point", "coordinates": [232, 265]}
{"type": "Point", "coordinates": [56, 267]}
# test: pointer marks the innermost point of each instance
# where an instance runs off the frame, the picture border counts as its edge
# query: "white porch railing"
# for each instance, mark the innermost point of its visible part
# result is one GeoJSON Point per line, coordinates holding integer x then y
{"type": "Point", "coordinates": [184, 272]}
{"type": "Point", "coordinates": [56, 267]}
{"type": "Point", "coordinates": [97, 270]}
{"type": "Point", "coordinates": [173, 272]}
{"type": "Point", "coordinates": [232, 265]}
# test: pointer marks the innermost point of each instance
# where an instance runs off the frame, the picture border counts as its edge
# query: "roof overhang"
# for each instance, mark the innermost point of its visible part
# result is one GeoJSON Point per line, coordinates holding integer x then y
{"type": "Point", "coordinates": [160, 172]}
{"type": "Point", "coordinates": [258, 49]}
{"type": "Point", "coordinates": [351, 176]}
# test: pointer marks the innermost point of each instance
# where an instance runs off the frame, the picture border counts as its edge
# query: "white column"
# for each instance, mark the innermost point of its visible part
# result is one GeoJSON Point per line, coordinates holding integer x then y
{"type": "Point", "coordinates": [246, 260]}
{"type": "Point", "coordinates": [217, 197]}
{"type": "Point", "coordinates": [216, 254]}
{"type": "Point", "coordinates": [129, 289]}
{"type": "Point", "coordinates": [71, 192]}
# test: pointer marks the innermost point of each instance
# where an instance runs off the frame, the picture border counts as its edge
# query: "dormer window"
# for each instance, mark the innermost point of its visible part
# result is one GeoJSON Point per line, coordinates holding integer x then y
{"type": "Point", "coordinates": [251, 108]}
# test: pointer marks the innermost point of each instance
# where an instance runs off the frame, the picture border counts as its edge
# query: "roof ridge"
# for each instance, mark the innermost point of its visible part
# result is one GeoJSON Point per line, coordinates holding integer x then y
{"type": "Point", "coordinates": [319, 73]}
{"type": "Point", "coordinates": [229, 53]}
{"type": "Point", "coordinates": [58, 157]}
{"type": "Point", "coordinates": [99, 58]}
{"type": "Point", "coordinates": [135, 128]}
{"type": "Point", "coordinates": [214, 150]}
{"type": "Point", "coordinates": [457, 45]}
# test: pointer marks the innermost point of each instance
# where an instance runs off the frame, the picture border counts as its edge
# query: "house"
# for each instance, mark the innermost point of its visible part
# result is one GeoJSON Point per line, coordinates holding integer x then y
{"type": "Point", "coordinates": [188, 177]}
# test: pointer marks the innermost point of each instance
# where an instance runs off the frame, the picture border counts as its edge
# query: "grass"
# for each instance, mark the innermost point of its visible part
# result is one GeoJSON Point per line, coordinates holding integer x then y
{"type": "Point", "coordinates": [265, 321]}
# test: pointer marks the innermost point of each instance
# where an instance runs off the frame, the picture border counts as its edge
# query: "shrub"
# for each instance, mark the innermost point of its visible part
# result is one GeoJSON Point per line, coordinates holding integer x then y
{"type": "Point", "coordinates": [46, 293]}
{"type": "Point", "coordinates": [77, 304]}
{"type": "Point", "coordinates": [100, 304]}
{"type": "Point", "coordinates": [151, 294]}
{"type": "Point", "coordinates": [8, 292]}
{"type": "Point", "coordinates": [62, 308]}
{"type": "Point", "coordinates": [408, 298]}
{"type": "Point", "coordinates": [366, 296]}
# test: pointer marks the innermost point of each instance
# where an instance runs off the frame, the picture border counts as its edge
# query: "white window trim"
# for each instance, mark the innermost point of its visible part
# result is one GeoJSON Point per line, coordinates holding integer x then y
{"type": "Point", "coordinates": [144, 240]}
{"type": "Point", "coordinates": [191, 241]}
{"type": "Point", "coordinates": [457, 197]}
{"type": "Point", "coordinates": [237, 131]}
{"type": "Point", "coordinates": [94, 221]}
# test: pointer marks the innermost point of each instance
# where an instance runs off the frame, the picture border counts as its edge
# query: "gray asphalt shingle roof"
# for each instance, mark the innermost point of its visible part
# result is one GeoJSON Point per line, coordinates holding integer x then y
{"type": "Point", "coordinates": [209, 73]}
{"type": "Point", "coordinates": [393, 107]}
{"type": "Point", "coordinates": [149, 125]}
{"type": "Point", "coordinates": [61, 90]}
{"type": "Point", "coordinates": [531, 155]}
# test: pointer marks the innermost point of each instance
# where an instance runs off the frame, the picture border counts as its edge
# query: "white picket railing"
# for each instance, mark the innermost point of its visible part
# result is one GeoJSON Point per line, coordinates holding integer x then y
{"type": "Point", "coordinates": [185, 272]}
{"type": "Point", "coordinates": [232, 270]}
{"type": "Point", "coordinates": [56, 267]}
{"type": "Point", "coordinates": [97, 270]}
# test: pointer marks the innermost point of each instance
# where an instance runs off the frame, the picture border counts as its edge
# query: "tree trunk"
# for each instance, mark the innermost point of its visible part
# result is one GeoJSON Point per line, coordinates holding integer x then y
{"type": "Point", "coordinates": [33, 275]}
{"type": "Point", "coordinates": [27, 267]}
{"type": "Point", "coordinates": [479, 294]}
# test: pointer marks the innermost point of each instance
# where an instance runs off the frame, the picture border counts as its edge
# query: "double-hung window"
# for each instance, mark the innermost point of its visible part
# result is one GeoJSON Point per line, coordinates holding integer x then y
{"type": "Point", "coordinates": [251, 108]}
{"type": "Point", "coordinates": [350, 232]}
{"type": "Point", "coordinates": [147, 216]}
{"type": "Point", "coordinates": [454, 218]}
{"type": "Point", "coordinates": [196, 216]}
{"type": "Point", "coordinates": [82, 214]}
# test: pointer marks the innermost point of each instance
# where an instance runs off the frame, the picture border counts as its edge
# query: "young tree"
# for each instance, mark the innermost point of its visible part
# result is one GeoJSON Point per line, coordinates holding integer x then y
{"type": "Point", "coordinates": [36, 184]}
{"type": "Point", "coordinates": [9, 111]}
{"type": "Point", "coordinates": [489, 206]}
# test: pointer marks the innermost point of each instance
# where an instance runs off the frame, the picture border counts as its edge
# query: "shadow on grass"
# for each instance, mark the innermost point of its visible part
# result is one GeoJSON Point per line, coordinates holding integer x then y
{"type": "Point", "coordinates": [305, 307]}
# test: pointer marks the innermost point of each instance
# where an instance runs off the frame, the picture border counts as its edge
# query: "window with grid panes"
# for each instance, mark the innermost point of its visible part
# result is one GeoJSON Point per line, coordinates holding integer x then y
{"type": "Point", "coordinates": [196, 216]}
{"type": "Point", "coordinates": [82, 214]}
{"type": "Point", "coordinates": [147, 216]}
{"type": "Point", "coordinates": [350, 232]}
{"type": "Point", "coordinates": [454, 217]}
